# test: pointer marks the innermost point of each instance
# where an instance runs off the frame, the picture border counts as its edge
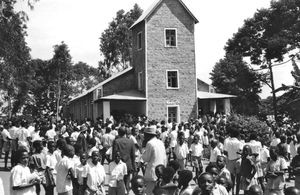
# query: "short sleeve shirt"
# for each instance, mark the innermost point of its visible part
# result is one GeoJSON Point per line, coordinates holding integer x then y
{"type": "Point", "coordinates": [278, 165]}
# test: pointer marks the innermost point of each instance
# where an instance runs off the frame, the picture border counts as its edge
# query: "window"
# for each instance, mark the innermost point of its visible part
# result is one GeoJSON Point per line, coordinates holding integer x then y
{"type": "Point", "coordinates": [139, 40]}
{"type": "Point", "coordinates": [140, 80]}
{"type": "Point", "coordinates": [99, 93]}
{"type": "Point", "coordinates": [170, 36]}
{"type": "Point", "coordinates": [173, 113]}
{"type": "Point", "coordinates": [172, 79]}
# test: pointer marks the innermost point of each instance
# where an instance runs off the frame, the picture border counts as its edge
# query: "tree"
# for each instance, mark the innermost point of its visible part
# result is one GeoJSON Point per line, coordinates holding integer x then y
{"type": "Point", "coordinates": [61, 75]}
{"type": "Point", "coordinates": [268, 36]}
{"type": "Point", "coordinates": [232, 75]}
{"type": "Point", "coordinates": [116, 41]}
{"type": "Point", "coordinates": [289, 102]}
{"type": "Point", "coordinates": [15, 73]}
{"type": "Point", "coordinates": [84, 77]}
{"type": "Point", "coordinates": [248, 125]}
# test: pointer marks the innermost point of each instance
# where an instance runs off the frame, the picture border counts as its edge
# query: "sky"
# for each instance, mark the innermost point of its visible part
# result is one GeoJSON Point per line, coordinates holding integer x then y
{"type": "Point", "coordinates": [80, 23]}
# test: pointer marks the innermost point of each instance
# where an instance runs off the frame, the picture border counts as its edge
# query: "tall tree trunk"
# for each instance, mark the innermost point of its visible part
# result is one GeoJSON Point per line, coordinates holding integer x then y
{"type": "Point", "coordinates": [274, 101]}
{"type": "Point", "coordinates": [58, 95]}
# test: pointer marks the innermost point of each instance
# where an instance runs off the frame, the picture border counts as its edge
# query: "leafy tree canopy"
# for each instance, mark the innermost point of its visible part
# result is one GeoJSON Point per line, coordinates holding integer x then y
{"type": "Point", "coordinates": [232, 75]}
{"type": "Point", "coordinates": [269, 34]}
{"type": "Point", "coordinates": [116, 41]}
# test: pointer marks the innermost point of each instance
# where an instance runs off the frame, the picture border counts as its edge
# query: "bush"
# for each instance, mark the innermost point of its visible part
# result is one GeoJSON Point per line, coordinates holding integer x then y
{"type": "Point", "coordinates": [248, 125]}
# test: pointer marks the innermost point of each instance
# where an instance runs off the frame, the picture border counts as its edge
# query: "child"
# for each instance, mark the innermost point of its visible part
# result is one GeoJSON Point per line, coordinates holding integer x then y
{"type": "Point", "coordinates": [184, 179]}
{"type": "Point", "coordinates": [213, 170]}
{"type": "Point", "coordinates": [196, 153]}
{"type": "Point", "coordinates": [175, 165]}
{"type": "Point", "coordinates": [94, 176]}
{"type": "Point", "coordinates": [159, 172]}
{"type": "Point", "coordinates": [223, 171]}
{"type": "Point", "coordinates": [37, 163]}
{"type": "Point", "coordinates": [295, 165]}
{"type": "Point", "coordinates": [65, 171]}
{"type": "Point", "coordinates": [92, 146]}
{"type": "Point", "coordinates": [215, 151]}
{"type": "Point", "coordinates": [167, 183]}
{"type": "Point", "coordinates": [248, 169]}
{"type": "Point", "coordinates": [181, 151]}
{"type": "Point", "coordinates": [117, 170]}
{"type": "Point", "coordinates": [21, 180]}
{"type": "Point", "coordinates": [51, 163]}
{"type": "Point", "coordinates": [275, 171]}
{"type": "Point", "coordinates": [79, 170]}
{"type": "Point", "coordinates": [138, 185]}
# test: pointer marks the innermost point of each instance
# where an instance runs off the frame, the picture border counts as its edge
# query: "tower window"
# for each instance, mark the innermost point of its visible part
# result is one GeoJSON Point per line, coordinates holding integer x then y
{"type": "Point", "coordinates": [170, 37]}
{"type": "Point", "coordinates": [172, 79]}
{"type": "Point", "coordinates": [139, 40]}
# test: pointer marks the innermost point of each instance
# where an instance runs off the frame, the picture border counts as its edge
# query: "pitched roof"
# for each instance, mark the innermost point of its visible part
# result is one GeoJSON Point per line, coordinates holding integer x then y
{"type": "Point", "coordinates": [207, 95]}
{"type": "Point", "coordinates": [151, 9]}
{"type": "Point", "coordinates": [102, 83]}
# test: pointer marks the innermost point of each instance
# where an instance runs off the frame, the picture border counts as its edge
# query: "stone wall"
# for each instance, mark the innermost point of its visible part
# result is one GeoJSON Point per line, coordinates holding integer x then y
{"type": "Point", "coordinates": [171, 14]}
{"type": "Point", "coordinates": [122, 83]}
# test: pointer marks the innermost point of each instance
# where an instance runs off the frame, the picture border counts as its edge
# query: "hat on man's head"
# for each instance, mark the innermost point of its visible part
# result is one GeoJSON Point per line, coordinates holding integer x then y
{"type": "Point", "coordinates": [83, 128]}
{"type": "Point", "coordinates": [150, 130]}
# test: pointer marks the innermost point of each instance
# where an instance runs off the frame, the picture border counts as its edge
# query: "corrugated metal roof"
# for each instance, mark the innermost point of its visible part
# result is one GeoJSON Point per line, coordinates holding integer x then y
{"type": "Point", "coordinates": [207, 95]}
{"type": "Point", "coordinates": [102, 83]}
{"type": "Point", "coordinates": [126, 95]}
{"type": "Point", "coordinates": [153, 6]}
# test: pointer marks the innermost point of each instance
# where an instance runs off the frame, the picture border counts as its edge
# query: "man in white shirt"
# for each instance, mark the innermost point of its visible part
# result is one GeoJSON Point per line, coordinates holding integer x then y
{"type": "Point", "coordinates": [13, 131]}
{"type": "Point", "coordinates": [6, 143]}
{"type": "Point", "coordinates": [24, 135]}
{"type": "Point", "coordinates": [51, 134]}
{"type": "Point", "coordinates": [155, 154]}
{"type": "Point", "coordinates": [232, 148]}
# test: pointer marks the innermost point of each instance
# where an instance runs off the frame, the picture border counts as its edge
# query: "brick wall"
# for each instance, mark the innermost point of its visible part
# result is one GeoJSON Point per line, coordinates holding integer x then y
{"type": "Point", "coordinates": [138, 60]}
{"type": "Point", "coordinates": [171, 14]}
{"type": "Point", "coordinates": [120, 84]}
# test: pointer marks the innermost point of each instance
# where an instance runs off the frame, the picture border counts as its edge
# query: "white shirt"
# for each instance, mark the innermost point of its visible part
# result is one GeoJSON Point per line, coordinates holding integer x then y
{"type": "Point", "coordinates": [79, 170]}
{"type": "Point", "coordinates": [13, 131]}
{"type": "Point", "coordinates": [51, 161]}
{"type": "Point", "coordinates": [22, 136]}
{"type": "Point", "coordinates": [255, 147]}
{"type": "Point", "coordinates": [196, 149]}
{"type": "Point", "coordinates": [219, 190]}
{"type": "Point", "coordinates": [64, 182]}
{"type": "Point", "coordinates": [35, 135]}
{"type": "Point", "coordinates": [5, 135]}
{"type": "Point", "coordinates": [275, 142]}
{"type": "Point", "coordinates": [214, 154]}
{"type": "Point", "coordinates": [51, 134]}
{"type": "Point", "coordinates": [1, 186]}
{"type": "Point", "coordinates": [95, 175]}
{"type": "Point", "coordinates": [74, 135]}
{"type": "Point", "coordinates": [20, 175]}
{"type": "Point", "coordinates": [57, 154]}
{"type": "Point", "coordinates": [117, 172]}
{"type": "Point", "coordinates": [154, 154]}
{"type": "Point", "coordinates": [264, 154]}
{"type": "Point", "coordinates": [173, 137]}
{"type": "Point", "coordinates": [163, 136]}
{"type": "Point", "coordinates": [232, 146]}
{"type": "Point", "coordinates": [181, 151]}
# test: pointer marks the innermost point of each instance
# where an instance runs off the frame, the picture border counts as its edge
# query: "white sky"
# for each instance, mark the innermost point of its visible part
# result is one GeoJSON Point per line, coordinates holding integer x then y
{"type": "Point", "coordinates": [80, 23]}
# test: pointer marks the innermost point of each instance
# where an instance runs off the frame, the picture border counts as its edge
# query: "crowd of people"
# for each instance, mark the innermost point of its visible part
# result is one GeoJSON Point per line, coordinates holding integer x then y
{"type": "Point", "coordinates": [207, 156]}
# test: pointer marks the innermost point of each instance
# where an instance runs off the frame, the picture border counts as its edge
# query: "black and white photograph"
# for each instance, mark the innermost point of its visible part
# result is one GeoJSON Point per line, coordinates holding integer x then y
{"type": "Point", "coordinates": [149, 97]}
